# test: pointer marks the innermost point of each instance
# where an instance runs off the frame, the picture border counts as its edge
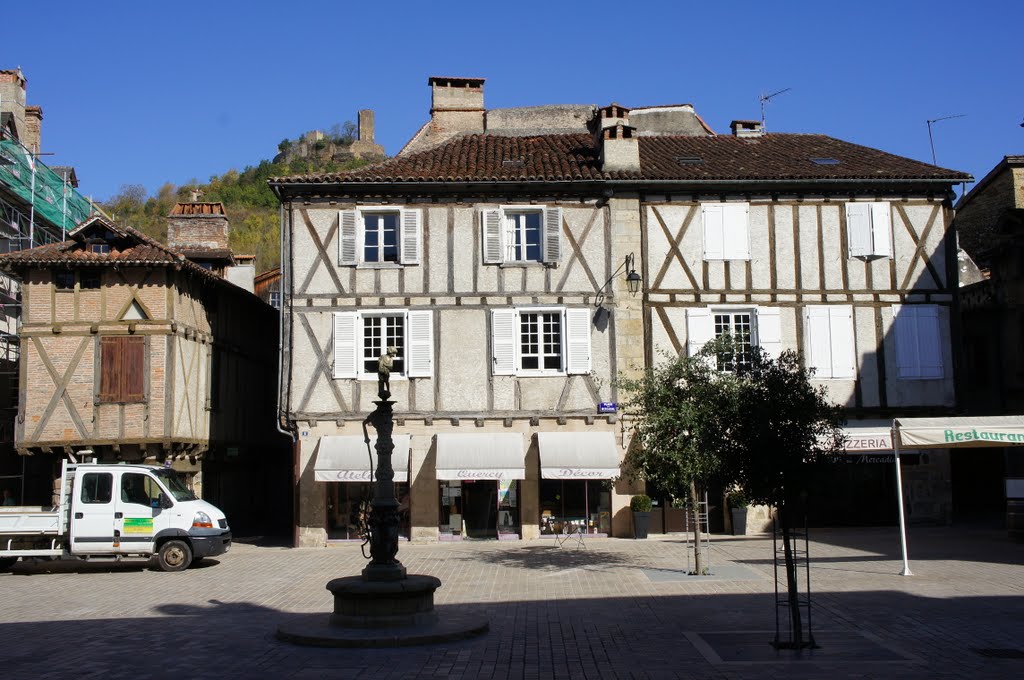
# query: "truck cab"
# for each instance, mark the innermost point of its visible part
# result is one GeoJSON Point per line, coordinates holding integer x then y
{"type": "Point", "coordinates": [142, 510]}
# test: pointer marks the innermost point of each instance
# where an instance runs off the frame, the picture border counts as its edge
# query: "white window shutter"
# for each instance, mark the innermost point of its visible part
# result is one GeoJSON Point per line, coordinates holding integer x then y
{"type": "Point", "coordinates": [347, 253]}
{"type": "Point", "coordinates": [858, 229]}
{"type": "Point", "coordinates": [904, 325]}
{"type": "Point", "coordinates": [577, 322]}
{"type": "Point", "coordinates": [881, 229]}
{"type": "Point", "coordinates": [412, 228]}
{"type": "Point", "coordinates": [714, 231]}
{"type": "Point", "coordinates": [419, 360]}
{"type": "Point", "coordinates": [736, 231]}
{"type": "Point", "coordinates": [929, 345]}
{"type": "Point", "coordinates": [819, 341]}
{"type": "Point", "coordinates": [552, 234]}
{"type": "Point", "coordinates": [843, 350]}
{"type": "Point", "coordinates": [345, 344]}
{"type": "Point", "coordinates": [700, 329]}
{"type": "Point", "coordinates": [493, 226]}
{"type": "Point", "coordinates": [769, 331]}
{"type": "Point", "coordinates": [503, 341]}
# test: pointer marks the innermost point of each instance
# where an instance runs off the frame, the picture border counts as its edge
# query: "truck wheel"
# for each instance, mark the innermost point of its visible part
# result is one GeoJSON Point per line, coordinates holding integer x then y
{"type": "Point", "coordinates": [175, 556]}
{"type": "Point", "coordinates": [7, 562]}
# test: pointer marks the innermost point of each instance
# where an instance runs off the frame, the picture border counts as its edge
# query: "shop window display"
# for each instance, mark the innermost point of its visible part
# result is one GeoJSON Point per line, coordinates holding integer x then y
{"type": "Point", "coordinates": [570, 505]}
{"type": "Point", "coordinates": [348, 508]}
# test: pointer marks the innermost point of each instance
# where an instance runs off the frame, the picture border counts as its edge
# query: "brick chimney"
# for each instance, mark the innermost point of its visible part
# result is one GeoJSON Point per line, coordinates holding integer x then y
{"type": "Point", "coordinates": [457, 105]}
{"type": "Point", "coordinates": [747, 128]}
{"type": "Point", "coordinates": [12, 97]}
{"type": "Point", "coordinates": [33, 138]}
{"type": "Point", "coordinates": [620, 148]}
{"type": "Point", "coordinates": [197, 226]}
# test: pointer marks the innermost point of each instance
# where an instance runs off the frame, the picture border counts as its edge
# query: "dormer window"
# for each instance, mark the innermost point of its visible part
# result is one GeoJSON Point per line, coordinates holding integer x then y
{"type": "Point", "coordinates": [99, 248]}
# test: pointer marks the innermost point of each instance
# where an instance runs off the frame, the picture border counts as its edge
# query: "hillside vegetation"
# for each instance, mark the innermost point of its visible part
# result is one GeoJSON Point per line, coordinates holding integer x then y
{"type": "Point", "coordinates": [251, 207]}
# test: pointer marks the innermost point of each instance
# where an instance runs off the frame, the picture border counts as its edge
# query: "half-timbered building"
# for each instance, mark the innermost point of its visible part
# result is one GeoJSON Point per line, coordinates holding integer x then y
{"type": "Point", "coordinates": [130, 351]}
{"type": "Point", "coordinates": [494, 251]}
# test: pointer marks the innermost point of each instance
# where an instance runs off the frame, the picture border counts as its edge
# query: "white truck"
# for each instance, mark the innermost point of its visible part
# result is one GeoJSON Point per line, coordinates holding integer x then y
{"type": "Point", "coordinates": [117, 511]}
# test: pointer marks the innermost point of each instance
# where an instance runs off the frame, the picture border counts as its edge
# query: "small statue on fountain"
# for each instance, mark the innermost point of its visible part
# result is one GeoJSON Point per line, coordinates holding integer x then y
{"type": "Point", "coordinates": [384, 365]}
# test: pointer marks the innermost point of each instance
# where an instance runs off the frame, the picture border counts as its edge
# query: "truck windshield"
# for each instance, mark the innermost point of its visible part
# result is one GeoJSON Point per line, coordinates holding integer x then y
{"type": "Point", "coordinates": [172, 480]}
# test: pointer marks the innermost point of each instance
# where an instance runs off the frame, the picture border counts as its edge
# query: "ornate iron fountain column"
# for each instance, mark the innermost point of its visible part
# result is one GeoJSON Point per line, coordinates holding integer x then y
{"type": "Point", "coordinates": [384, 516]}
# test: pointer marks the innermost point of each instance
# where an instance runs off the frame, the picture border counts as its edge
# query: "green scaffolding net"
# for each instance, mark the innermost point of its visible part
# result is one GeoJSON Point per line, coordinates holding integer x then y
{"type": "Point", "coordinates": [54, 199]}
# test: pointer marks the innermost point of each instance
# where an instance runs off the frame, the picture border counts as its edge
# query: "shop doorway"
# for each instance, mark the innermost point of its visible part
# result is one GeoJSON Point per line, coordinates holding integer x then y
{"type": "Point", "coordinates": [480, 509]}
{"type": "Point", "coordinates": [978, 479]}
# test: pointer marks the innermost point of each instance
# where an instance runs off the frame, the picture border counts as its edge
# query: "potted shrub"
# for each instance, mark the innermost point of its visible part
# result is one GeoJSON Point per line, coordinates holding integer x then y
{"type": "Point", "coordinates": [641, 507]}
{"type": "Point", "coordinates": [738, 503]}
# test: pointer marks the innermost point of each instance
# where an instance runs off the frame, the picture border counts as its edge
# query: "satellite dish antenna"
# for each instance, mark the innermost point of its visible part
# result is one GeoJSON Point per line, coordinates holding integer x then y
{"type": "Point", "coordinates": [764, 99]}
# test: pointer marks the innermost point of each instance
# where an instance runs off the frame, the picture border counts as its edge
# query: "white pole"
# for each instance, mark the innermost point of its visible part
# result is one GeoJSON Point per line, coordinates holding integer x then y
{"type": "Point", "coordinates": [899, 497]}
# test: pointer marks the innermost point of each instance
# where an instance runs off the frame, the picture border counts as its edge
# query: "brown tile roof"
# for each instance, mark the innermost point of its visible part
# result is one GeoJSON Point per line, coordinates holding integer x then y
{"type": "Point", "coordinates": [574, 157]}
{"type": "Point", "coordinates": [215, 208]}
{"type": "Point", "coordinates": [139, 250]}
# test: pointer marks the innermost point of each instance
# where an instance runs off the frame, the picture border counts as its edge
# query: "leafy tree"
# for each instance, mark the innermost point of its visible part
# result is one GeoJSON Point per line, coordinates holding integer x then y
{"type": "Point", "coordinates": [684, 409]}
{"type": "Point", "coordinates": [757, 426]}
{"type": "Point", "coordinates": [784, 424]}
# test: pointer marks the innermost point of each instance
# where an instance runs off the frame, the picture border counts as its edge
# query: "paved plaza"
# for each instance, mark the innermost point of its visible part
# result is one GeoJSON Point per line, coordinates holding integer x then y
{"type": "Point", "coordinates": [614, 609]}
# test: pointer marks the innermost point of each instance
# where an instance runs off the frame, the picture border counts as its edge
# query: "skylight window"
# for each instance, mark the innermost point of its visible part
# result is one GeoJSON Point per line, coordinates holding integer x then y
{"type": "Point", "coordinates": [825, 161]}
{"type": "Point", "coordinates": [689, 160]}
{"type": "Point", "coordinates": [513, 163]}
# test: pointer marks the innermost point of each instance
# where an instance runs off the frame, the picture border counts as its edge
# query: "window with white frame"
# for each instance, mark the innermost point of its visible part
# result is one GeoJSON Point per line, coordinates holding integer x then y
{"type": "Point", "coordinates": [830, 343]}
{"type": "Point", "coordinates": [918, 342]}
{"type": "Point", "coordinates": [361, 337]}
{"type": "Point", "coordinates": [869, 229]}
{"type": "Point", "coordinates": [380, 236]}
{"type": "Point", "coordinates": [519, 234]}
{"type": "Point", "coordinates": [726, 231]}
{"type": "Point", "coordinates": [540, 341]}
{"type": "Point", "coordinates": [749, 327]}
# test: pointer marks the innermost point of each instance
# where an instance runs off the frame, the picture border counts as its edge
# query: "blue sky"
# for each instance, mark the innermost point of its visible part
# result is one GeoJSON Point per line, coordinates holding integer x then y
{"type": "Point", "coordinates": [146, 93]}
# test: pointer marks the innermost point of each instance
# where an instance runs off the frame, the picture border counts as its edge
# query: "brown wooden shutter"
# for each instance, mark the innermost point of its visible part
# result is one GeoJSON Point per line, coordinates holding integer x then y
{"type": "Point", "coordinates": [109, 354]}
{"type": "Point", "coordinates": [133, 362]}
{"type": "Point", "coordinates": [122, 366]}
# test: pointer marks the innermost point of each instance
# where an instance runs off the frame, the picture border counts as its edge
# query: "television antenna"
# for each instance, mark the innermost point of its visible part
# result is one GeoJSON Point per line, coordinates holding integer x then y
{"type": "Point", "coordinates": [931, 140]}
{"type": "Point", "coordinates": [764, 99]}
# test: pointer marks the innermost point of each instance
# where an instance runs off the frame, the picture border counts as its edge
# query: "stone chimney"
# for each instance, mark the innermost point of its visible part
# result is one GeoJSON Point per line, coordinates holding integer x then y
{"type": "Point", "coordinates": [747, 128]}
{"type": "Point", "coordinates": [457, 105]}
{"type": "Point", "coordinates": [33, 128]}
{"type": "Point", "coordinates": [620, 148]}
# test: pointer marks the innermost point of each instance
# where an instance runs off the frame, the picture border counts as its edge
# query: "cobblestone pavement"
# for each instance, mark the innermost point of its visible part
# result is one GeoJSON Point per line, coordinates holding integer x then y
{"type": "Point", "coordinates": [614, 609]}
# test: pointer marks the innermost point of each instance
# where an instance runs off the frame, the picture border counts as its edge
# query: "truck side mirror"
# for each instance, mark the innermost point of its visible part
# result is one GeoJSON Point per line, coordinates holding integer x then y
{"type": "Point", "coordinates": [163, 502]}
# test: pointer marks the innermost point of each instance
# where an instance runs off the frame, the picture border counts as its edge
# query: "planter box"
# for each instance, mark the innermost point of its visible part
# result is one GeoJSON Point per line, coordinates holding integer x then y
{"type": "Point", "coordinates": [739, 521]}
{"type": "Point", "coordinates": [641, 523]}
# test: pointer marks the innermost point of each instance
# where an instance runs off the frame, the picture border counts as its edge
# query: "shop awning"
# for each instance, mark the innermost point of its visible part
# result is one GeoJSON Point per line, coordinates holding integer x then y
{"type": "Point", "coordinates": [578, 455]}
{"type": "Point", "coordinates": [868, 435]}
{"type": "Point", "coordinates": [480, 456]}
{"type": "Point", "coordinates": [344, 459]}
{"type": "Point", "coordinates": [921, 433]}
